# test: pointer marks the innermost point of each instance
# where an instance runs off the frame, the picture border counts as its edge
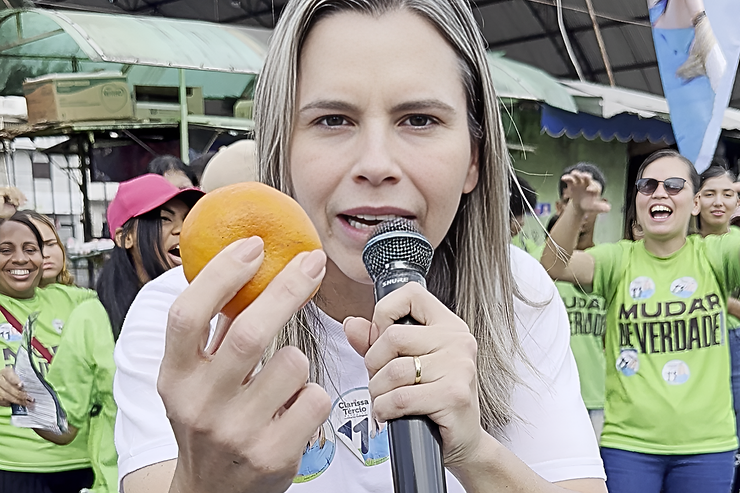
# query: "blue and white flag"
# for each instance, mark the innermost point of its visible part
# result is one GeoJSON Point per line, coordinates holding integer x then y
{"type": "Point", "coordinates": [698, 47]}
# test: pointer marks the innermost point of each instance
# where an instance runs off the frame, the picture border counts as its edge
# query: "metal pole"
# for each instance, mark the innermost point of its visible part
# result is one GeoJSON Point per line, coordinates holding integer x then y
{"type": "Point", "coordinates": [600, 41]}
{"type": "Point", "coordinates": [85, 153]}
{"type": "Point", "coordinates": [184, 139]}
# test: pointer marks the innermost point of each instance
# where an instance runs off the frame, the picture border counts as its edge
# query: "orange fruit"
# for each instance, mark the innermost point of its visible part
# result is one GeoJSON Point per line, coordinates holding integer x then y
{"type": "Point", "coordinates": [240, 211]}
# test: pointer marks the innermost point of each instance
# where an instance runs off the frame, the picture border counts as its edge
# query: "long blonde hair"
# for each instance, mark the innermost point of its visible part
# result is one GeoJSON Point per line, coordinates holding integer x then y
{"type": "Point", "coordinates": [471, 269]}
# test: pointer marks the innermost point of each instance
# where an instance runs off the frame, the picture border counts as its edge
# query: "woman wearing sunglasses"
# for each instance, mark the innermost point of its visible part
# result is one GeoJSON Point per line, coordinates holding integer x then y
{"type": "Point", "coordinates": [669, 424]}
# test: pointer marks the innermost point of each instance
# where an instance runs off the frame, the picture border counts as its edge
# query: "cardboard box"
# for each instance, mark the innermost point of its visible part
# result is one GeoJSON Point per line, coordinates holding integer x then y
{"type": "Point", "coordinates": [244, 109]}
{"type": "Point", "coordinates": [78, 97]}
{"type": "Point", "coordinates": [163, 102]}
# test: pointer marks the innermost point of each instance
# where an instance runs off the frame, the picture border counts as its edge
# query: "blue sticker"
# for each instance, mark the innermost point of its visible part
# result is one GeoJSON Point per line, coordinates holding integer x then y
{"type": "Point", "coordinates": [676, 372]}
{"type": "Point", "coordinates": [358, 430]}
{"type": "Point", "coordinates": [684, 287]}
{"type": "Point", "coordinates": [642, 288]}
{"type": "Point", "coordinates": [318, 455]}
{"type": "Point", "coordinates": [628, 362]}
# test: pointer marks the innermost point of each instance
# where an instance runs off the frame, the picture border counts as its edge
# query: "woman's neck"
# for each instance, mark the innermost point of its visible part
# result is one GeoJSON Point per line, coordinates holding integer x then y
{"type": "Point", "coordinates": [664, 248]}
{"type": "Point", "coordinates": [718, 229]}
{"type": "Point", "coordinates": [341, 297]}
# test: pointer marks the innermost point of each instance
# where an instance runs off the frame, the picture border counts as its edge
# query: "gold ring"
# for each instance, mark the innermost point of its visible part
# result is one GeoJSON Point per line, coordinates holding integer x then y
{"type": "Point", "coordinates": [417, 366]}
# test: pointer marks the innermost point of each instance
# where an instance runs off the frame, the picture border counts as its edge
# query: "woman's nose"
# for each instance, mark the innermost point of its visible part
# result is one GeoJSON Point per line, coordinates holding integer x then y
{"type": "Point", "coordinates": [376, 162]}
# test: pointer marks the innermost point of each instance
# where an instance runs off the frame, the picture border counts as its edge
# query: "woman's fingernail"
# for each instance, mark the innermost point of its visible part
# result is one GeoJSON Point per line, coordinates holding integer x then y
{"type": "Point", "coordinates": [250, 249]}
{"type": "Point", "coordinates": [314, 263]}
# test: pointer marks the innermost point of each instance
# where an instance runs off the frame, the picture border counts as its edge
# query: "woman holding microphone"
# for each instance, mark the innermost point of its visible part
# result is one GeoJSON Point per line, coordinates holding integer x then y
{"type": "Point", "coordinates": [391, 104]}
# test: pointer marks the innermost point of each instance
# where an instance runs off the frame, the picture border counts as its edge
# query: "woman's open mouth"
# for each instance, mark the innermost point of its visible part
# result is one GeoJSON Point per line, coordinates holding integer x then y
{"type": "Point", "coordinates": [367, 221]}
{"type": "Point", "coordinates": [717, 213]}
{"type": "Point", "coordinates": [174, 254]}
{"type": "Point", "coordinates": [660, 212]}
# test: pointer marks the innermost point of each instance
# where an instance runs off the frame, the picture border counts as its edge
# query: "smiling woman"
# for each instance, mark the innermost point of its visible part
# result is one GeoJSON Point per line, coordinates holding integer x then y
{"type": "Point", "coordinates": [668, 365]}
{"type": "Point", "coordinates": [27, 462]}
{"type": "Point", "coordinates": [145, 219]}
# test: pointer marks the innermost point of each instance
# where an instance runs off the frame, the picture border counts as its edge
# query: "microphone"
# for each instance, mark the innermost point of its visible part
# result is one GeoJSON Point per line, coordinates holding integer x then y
{"type": "Point", "coordinates": [395, 255]}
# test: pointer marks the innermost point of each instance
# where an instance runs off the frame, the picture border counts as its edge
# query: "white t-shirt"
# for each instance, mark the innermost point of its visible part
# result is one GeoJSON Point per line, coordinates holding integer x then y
{"type": "Point", "coordinates": [350, 453]}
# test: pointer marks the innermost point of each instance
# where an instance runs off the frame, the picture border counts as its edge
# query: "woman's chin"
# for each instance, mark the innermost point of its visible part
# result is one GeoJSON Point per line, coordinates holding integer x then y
{"type": "Point", "coordinates": [347, 269]}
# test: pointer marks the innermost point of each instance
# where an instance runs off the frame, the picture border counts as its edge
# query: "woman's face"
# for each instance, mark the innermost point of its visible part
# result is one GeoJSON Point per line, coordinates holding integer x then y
{"type": "Point", "coordinates": [663, 216]}
{"type": "Point", "coordinates": [20, 260]}
{"type": "Point", "coordinates": [172, 214]}
{"type": "Point", "coordinates": [53, 254]}
{"type": "Point", "coordinates": [380, 132]}
{"type": "Point", "coordinates": [717, 200]}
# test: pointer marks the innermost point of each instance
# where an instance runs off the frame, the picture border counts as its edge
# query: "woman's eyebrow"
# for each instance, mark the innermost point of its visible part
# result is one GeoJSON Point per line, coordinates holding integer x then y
{"type": "Point", "coordinates": [167, 209]}
{"type": "Point", "coordinates": [329, 104]}
{"type": "Point", "coordinates": [424, 104]}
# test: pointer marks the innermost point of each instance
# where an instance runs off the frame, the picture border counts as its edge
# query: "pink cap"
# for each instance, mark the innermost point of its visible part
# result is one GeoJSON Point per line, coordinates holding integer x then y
{"type": "Point", "coordinates": [143, 194]}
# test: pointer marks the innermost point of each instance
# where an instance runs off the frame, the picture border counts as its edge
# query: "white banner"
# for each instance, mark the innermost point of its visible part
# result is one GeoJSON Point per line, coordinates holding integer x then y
{"type": "Point", "coordinates": [698, 47]}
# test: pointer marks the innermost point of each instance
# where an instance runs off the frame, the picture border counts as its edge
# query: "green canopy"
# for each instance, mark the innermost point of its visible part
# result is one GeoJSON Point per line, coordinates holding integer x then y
{"type": "Point", "coordinates": [514, 80]}
{"type": "Point", "coordinates": [219, 58]}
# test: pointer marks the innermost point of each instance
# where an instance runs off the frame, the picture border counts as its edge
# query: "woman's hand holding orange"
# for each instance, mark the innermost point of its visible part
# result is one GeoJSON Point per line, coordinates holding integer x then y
{"type": "Point", "coordinates": [218, 406]}
{"type": "Point", "coordinates": [447, 392]}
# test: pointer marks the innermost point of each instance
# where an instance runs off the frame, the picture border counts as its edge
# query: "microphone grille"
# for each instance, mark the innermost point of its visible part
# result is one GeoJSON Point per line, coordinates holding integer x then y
{"type": "Point", "coordinates": [397, 240]}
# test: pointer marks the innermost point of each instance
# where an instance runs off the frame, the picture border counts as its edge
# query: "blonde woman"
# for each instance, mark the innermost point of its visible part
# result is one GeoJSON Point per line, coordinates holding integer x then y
{"type": "Point", "coordinates": [55, 256]}
{"type": "Point", "coordinates": [366, 110]}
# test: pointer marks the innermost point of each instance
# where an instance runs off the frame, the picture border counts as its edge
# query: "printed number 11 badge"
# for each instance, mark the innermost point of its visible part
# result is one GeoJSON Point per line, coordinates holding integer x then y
{"type": "Point", "coordinates": [351, 417]}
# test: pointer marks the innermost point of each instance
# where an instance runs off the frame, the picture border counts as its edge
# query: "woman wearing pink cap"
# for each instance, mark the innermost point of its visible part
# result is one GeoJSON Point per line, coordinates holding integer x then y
{"type": "Point", "coordinates": [145, 219]}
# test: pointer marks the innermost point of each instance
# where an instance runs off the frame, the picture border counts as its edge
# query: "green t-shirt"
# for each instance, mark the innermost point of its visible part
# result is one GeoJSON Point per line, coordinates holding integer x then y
{"type": "Point", "coordinates": [21, 449]}
{"type": "Point", "coordinates": [732, 321]}
{"type": "Point", "coordinates": [667, 357]}
{"type": "Point", "coordinates": [82, 376]}
{"type": "Point", "coordinates": [587, 316]}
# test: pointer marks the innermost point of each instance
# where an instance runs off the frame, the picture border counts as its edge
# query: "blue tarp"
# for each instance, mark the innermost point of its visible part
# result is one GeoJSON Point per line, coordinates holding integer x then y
{"type": "Point", "coordinates": [624, 127]}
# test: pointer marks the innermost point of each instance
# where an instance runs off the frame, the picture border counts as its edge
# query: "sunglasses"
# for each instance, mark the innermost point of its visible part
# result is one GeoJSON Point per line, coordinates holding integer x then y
{"type": "Point", "coordinates": [672, 186]}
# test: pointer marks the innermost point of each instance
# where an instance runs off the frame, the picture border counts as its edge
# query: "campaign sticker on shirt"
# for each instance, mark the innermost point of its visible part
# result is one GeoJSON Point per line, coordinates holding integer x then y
{"type": "Point", "coordinates": [684, 287]}
{"type": "Point", "coordinates": [8, 333]}
{"type": "Point", "coordinates": [628, 362]}
{"type": "Point", "coordinates": [642, 288]}
{"type": "Point", "coordinates": [676, 372]}
{"type": "Point", "coordinates": [351, 417]}
{"type": "Point", "coordinates": [58, 325]}
{"type": "Point", "coordinates": [319, 453]}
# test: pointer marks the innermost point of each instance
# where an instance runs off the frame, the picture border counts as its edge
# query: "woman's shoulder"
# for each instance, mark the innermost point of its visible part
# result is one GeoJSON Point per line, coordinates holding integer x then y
{"type": "Point", "coordinates": [532, 281]}
{"type": "Point", "coordinates": [58, 292]}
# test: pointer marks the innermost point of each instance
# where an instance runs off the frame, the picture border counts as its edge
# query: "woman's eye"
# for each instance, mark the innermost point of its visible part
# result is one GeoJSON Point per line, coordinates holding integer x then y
{"type": "Point", "coordinates": [165, 219]}
{"type": "Point", "coordinates": [419, 121]}
{"type": "Point", "coordinates": [333, 121]}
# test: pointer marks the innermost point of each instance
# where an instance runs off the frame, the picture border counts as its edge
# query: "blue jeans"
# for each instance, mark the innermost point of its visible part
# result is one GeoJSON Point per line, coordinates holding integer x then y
{"type": "Point", "coordinates": [631, 472]}
{"type": "Point", "coordinates": [734, 336]}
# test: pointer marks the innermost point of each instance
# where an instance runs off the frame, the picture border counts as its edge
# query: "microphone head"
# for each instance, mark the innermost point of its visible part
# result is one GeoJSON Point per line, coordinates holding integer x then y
{"type": "Point", "coordinates": [397, 240]}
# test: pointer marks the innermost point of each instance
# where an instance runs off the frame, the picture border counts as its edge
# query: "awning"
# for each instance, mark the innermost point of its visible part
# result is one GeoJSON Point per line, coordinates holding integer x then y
{"type": "Point", "coordinates": [614, 112]}
{"type": "Point", "coordinates": [624, 126]}
{"type": "Point", "coordinates": [222, 59]}
{"type": "Point", "coordinates": [514, 80]}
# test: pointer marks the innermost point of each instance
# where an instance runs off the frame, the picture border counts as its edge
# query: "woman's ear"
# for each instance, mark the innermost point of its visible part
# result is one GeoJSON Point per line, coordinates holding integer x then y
{"type": "Point", "coordinates": [471, 180]}
{"type": "Point", "coordinates": [697, 206]}
{"type": "Point", "coordinates": [123, 242]}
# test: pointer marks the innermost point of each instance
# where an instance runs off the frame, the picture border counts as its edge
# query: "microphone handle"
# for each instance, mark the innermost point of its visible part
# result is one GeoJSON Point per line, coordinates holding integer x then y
{"type": "Point", "coordinates": [415, 442]}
